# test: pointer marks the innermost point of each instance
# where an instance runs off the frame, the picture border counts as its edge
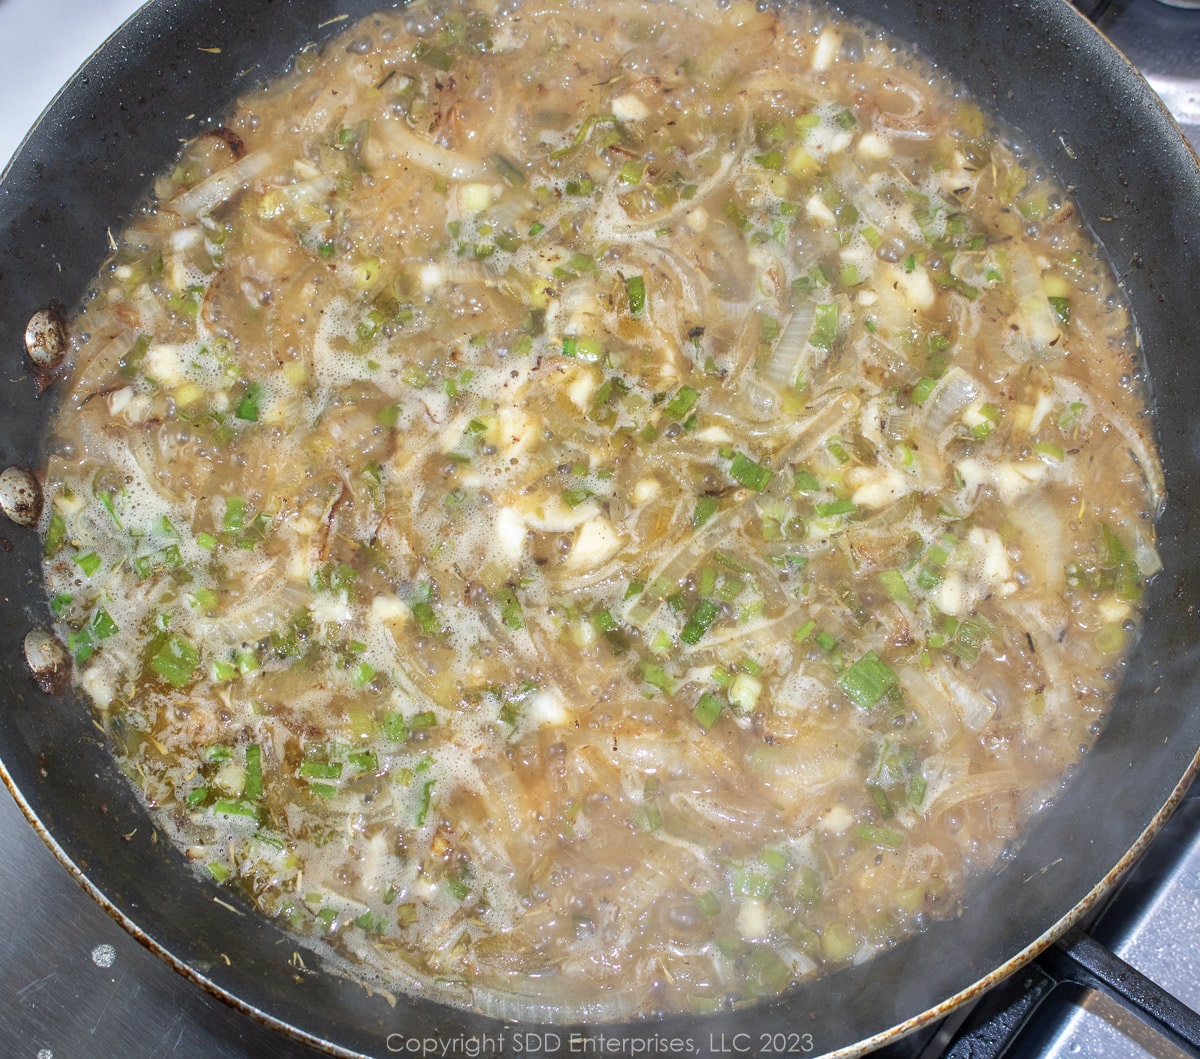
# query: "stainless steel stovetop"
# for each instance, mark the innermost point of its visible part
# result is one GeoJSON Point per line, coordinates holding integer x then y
{"type": "Point", "coordinates": [74, 984]}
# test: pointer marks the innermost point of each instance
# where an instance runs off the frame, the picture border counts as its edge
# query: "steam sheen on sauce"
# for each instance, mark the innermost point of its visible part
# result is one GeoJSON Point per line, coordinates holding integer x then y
{"type": "Point", "coordinates": [601, 508]}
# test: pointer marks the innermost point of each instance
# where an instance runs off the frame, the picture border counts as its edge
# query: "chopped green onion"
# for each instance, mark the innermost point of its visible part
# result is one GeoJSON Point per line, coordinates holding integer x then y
{"type": "Point", "coordinates": [700, 621]}
{"type": "Point", "coordinates": [631, 172]}
{"type": "Point", "coordinates": [806, 482]}
{"type": "Point", "coordinates": [881, 800]}
{"type": "Point", "coordinates": [394, 728]}
{"type": "Point", "coordinates": [805, 631]}
{"type": "Point", "coordinates": [706, 507]}
{"type": "Point", "coordinates": [234, 807]}
{"type": "Point", "coordinates": [744, 692]}
{"type": "Point", "coordinates": [808, 885]}
{"type": "Point", "coordinates": [235, 515]}
{"type": "Point", "coordinates": [928, 577]}
{"type": "Point", "coordinates": [88, 563]}
{"type": "Point", "coordinates": [321, 770]}
{"type": "Point", "coordinates": [81, 645]}
{"type": "Point", "coordinates": [205, 600]}
{"type": "Point", "coordinates": [965, 639]}
{"type": "Point", "coordinates": [254, 773]}
{"type": "Point", "coordinates": [752, 884]}
{"type": "Point", "coordinates": [577, 495]}
{"type": "Point", "coordinates": [388, 416]}
{"type": "Point", "coordinates": [106, 499]}
{"type": "Point", "coordinates": [867, 681]}
{"type": "Point", "coordinates": [510, 608]}
{"type": "Point", "coordinates": [682, 403]}
{"type": "Point", "coordinates": [1071, 416]}
{"type": "Point", "coordinates": [657, 677]}
{"type": "Point", "coordinates": [635, 291]}
{"type": "Point", "coordinates": [323, 790]}
{"type": "Point", "coordinates": [1049, 452]}
{"type": "Point", "coordinates": [707, 710]}
{"type": "Point", "coordinates": [750, 474]}
{"type": "Point", "coordinates": [896, 587]}
{"type": "Point", "coordinates": [175, 660]}
{"type": "Point", "coordinates": [772, 160]}
{"type": "Point", "coordinates": [923, 389]}
{"type": "Point", "coordinates": [916, 791]}
{"type": "Point", "coordinates": [825, 326]}
{"type": "Point", "coordinates": [1118, 563]}
{"type": "Point", "coordinates": [103, 625]}
{"type": "Point", "coordinates": [423, 801]}
{"type": "Point", "coordinates": [835, 507]}
{"type": "Point", "coordinates": [56, 535]}
{"type": "Point", "coordinates": [248, 407]}
{"type": "Point", "coordinates": [438, 58]}
{"type": "Point", "coordinates": [426, 619]}
{"type": "Point", "coordinates": [883, 837]}
{"type": "Point", "coordinates": [508, 171]}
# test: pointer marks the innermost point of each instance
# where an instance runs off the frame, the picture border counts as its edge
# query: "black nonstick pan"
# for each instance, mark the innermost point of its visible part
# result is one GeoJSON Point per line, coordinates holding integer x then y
{"type": "Point", "coordinates": [1036, 64]}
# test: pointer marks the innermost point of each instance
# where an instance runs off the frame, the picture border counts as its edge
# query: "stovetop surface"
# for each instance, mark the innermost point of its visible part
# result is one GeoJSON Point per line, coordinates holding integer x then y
{"type": "Point", "coordinates": [74, 984]}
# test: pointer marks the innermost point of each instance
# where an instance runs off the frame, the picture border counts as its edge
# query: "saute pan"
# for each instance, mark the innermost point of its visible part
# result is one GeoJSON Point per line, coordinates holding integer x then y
{"type": "Point", "coordinates": [1036, 64]}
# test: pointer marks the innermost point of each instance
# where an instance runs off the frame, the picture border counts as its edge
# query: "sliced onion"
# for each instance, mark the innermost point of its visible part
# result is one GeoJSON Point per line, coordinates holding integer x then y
{"type": "Point", "coordinates": [739, 641]}
{"type": "Point", "coordinates": [975, 710]}
{"type": "Point", "coordinates": [977, 786]}
{"type": "Point", "coordinates": [269, 600]}
{"type": "Point", "coordinates": [144, 447]}
{"type": "Point", "coordinates": [954, 392]}
{"type": "Point", "coordinates": [687, 555]}
{"type": "Point", "coordinates": [612, 214]}
{"type": "Point", "coordinates": [792, 352]}
{"type": "Point", "coordinates": [854, 187]}
{"type": "Point", "coordinates": [1149, 562]}
{"type": "Point", "coordinates": [428, 155]}
{"type": "Point", "coordinates": [930, 703]}
{"type": "Point", "coordinates": [1058, 685]}
{"type": "Point", "coordinates": [690, 280]}
{"type": "Point", "coordinates": [1146, 457]}
{"type": "Point", "coordinates": [1044, 542]}
{"type": "Point", "coordinates": [221, 186]}
{"type": "Point", "coordinates": [1141, 448]}
{"type": "Point", "coordinates": [818, 427]}
{"type": "Point", "coordinates": [1025, 281]}
{"type": "Point", "coordinates": [98, 371]}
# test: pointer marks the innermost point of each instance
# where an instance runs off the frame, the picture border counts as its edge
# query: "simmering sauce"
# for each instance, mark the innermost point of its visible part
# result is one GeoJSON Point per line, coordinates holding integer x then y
{"type": "Point", "coordinates": [601, 508]}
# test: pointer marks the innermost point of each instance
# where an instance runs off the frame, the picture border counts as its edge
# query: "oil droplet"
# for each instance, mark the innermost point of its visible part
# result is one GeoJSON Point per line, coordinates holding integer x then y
{"type": "Point", "coordinates": [104, 955]}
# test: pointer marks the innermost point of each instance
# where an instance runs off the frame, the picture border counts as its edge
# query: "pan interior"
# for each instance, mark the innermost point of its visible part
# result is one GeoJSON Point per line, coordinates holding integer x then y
{"type": "Point", "coordinates": [1109, 140]}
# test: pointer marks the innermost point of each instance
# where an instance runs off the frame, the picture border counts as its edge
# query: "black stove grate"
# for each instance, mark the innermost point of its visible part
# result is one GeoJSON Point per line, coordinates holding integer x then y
{"type": "Point", "coordinates": [1007, 1021]}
